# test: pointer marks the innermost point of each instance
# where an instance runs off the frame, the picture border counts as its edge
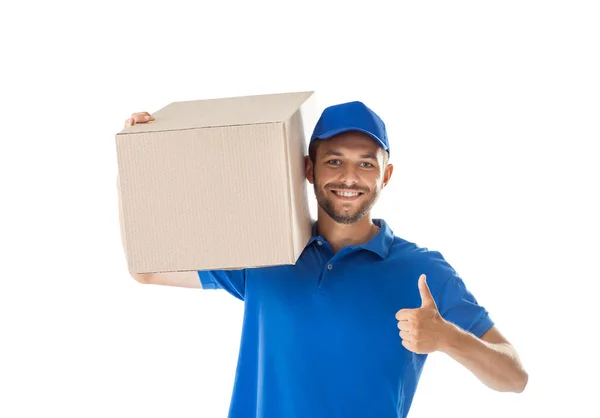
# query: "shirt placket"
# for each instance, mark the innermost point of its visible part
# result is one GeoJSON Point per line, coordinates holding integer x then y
{"type": "Point", "coordinates": [329, 268]}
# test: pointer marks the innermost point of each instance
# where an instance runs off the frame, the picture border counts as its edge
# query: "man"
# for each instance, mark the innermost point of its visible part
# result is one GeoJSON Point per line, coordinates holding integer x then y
{"type": "Point", "coordinates": [346, 331]}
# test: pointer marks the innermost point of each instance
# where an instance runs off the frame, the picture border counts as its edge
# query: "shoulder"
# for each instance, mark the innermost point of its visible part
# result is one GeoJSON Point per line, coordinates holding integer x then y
{"type": "Point", "coordinates": [415, 260]}
{"type": "Point", "coordinates": [412, 252]}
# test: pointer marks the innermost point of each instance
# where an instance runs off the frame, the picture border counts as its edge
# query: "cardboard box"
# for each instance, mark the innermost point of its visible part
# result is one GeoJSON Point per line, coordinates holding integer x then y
{"type": "Point", "coordinates": [217, 184]}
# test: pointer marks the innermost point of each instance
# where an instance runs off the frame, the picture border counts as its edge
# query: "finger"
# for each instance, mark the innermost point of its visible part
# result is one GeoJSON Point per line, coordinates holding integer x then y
{"type": "Point", "coordinates": [426, 297]}
{"type": "Point", "coordinates": [142, 117]}
{"type": "Point", "coordinates": [409, 346]}
{"type": "Point", "coordinates": [406, 336]}
{"type": "Point", "coordinates": [404, 314]}
{"type": "Point", "coordinates": [404, 325]}
{"type": "Point", "coordinates": [129, 122]}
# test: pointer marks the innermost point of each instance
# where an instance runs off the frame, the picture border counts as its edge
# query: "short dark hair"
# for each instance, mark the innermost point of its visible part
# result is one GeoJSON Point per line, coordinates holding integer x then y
{"type": "Point", "coordinates": [312, 151]}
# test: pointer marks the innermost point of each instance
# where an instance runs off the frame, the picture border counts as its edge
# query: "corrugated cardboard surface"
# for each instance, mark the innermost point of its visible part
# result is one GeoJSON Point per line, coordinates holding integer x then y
{"type": "Point", "coordinates": [295, 126]}
{"type": "Point", "coordinates": [217, 184]}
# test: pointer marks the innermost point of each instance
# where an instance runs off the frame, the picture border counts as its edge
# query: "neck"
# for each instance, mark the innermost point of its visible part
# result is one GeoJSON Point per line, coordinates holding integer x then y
{"type": "Point", "coordinates": [343, 235]}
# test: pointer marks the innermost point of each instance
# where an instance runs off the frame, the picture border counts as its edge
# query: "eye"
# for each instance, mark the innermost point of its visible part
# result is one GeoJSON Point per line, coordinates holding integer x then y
{"type": "Point", "coordinates": [334, 162]}
{"type": "Point", "coordinates": [367, 165]}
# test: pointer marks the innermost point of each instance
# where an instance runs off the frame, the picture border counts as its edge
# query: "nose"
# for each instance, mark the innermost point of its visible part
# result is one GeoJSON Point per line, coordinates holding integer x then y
{"type": "Point", "coordinates": [348, 175]}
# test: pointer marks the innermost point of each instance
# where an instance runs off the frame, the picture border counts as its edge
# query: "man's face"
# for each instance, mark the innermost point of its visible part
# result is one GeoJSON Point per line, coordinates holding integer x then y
{"type": "Point", "coordinates": [349, 172]}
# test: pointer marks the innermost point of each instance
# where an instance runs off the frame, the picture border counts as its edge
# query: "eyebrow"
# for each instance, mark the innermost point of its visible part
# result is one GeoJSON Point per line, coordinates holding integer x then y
{"type": "Point", "coordinates": [339, 154]}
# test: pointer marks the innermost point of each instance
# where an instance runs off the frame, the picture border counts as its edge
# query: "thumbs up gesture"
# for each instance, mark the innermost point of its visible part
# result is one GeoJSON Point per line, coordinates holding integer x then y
{"type": "Point", "coordinates": [423, 330]}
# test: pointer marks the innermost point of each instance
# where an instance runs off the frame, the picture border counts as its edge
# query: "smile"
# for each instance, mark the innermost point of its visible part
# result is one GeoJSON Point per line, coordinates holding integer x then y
{"type": "Point", "coordinates": [346, 195]}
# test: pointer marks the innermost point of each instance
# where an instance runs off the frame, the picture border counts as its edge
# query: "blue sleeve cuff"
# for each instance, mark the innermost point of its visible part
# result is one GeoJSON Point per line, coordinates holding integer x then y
{"type": "Point", "coordinates": [481, 326]}
{"type": "Point", "coordinates": [206, 280]}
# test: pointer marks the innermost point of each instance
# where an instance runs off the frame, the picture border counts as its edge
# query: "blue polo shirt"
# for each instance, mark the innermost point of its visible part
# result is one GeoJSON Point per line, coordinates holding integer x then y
{"type": "Point", "coordinates": [320, 338]}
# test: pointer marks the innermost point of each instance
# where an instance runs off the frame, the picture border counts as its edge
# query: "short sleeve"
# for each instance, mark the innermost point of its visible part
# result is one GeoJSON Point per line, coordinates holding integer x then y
{"type": "Point", "coordinates": [454, 301]}
{"type": "Point", "coordinates": [232, 281]}
{"type": "Point", "coordinates": [457, 305]}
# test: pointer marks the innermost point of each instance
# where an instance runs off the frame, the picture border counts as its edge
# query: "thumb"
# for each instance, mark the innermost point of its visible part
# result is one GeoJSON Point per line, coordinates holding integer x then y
{"type": "Point", "coordinates": [426, 297]}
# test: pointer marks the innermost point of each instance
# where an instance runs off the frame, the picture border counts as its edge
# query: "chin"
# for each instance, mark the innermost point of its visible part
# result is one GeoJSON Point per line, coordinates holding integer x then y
{"type": "Point", "coordinates": [346, 218]}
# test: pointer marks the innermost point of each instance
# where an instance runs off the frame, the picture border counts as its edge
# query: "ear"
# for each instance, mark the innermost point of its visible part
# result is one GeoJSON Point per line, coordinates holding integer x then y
{"type": "Point", "coordinates": [387, 174]}
{"type": "Point", "coordinates": [309, 170]}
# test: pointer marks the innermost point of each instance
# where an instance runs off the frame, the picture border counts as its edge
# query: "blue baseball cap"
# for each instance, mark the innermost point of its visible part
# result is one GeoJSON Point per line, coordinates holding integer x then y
{"type": "Point", "coordinates": [351, 116]}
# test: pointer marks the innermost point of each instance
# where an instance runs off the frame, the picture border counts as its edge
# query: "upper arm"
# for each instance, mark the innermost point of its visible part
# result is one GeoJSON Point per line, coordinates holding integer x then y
{"type": "Point", "coordinates": [233, 281]}
{"type": "Point", "coordinates": [458, 305]}
{"type": "Point", "coordinates": [455, 302]}
{"type": "Point", "coordinates": [187, 279]}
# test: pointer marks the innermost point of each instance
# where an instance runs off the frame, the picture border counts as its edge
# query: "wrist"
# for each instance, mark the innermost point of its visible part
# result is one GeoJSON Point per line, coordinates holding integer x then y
{"type": "Point", "coordinates": [451, 336]}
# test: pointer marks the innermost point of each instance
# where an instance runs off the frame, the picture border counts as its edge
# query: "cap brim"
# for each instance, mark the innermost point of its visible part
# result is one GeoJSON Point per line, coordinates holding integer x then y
{"type": "Point", "coordinates": [334, 132]}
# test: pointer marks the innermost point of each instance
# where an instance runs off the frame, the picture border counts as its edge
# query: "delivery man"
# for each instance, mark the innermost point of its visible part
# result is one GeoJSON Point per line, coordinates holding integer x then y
{"type": "Point", "coordinates": [345, 331]}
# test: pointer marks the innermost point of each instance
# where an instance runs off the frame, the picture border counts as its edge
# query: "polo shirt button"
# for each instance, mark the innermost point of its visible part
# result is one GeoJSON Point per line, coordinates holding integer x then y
{"type": "Point", "coordinates": [319, 243]}
{"type": "Point", "coordinates": [329, 267]}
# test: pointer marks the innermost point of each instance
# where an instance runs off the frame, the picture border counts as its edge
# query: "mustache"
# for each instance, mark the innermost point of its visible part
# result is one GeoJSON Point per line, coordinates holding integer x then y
{"type": "Point", "coordinates": [344, 187]}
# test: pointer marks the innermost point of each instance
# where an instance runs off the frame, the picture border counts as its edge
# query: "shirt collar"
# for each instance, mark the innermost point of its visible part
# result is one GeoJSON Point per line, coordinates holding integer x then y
{"type": "Point", "coordinates": [380, 244]}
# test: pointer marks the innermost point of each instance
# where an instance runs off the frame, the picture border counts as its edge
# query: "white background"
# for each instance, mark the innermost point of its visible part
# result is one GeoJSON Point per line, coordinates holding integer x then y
{"type": "Point", "coordinates": [493, 113]}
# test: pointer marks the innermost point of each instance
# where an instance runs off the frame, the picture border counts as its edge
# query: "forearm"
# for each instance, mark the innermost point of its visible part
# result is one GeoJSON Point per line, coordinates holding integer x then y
{"type": "Point", "coordinates": [496, 365]}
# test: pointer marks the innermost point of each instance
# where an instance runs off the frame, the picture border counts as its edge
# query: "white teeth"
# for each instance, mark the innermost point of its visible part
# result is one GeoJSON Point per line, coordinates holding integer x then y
{"type": "Point", "coordinates": [347, 194]}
